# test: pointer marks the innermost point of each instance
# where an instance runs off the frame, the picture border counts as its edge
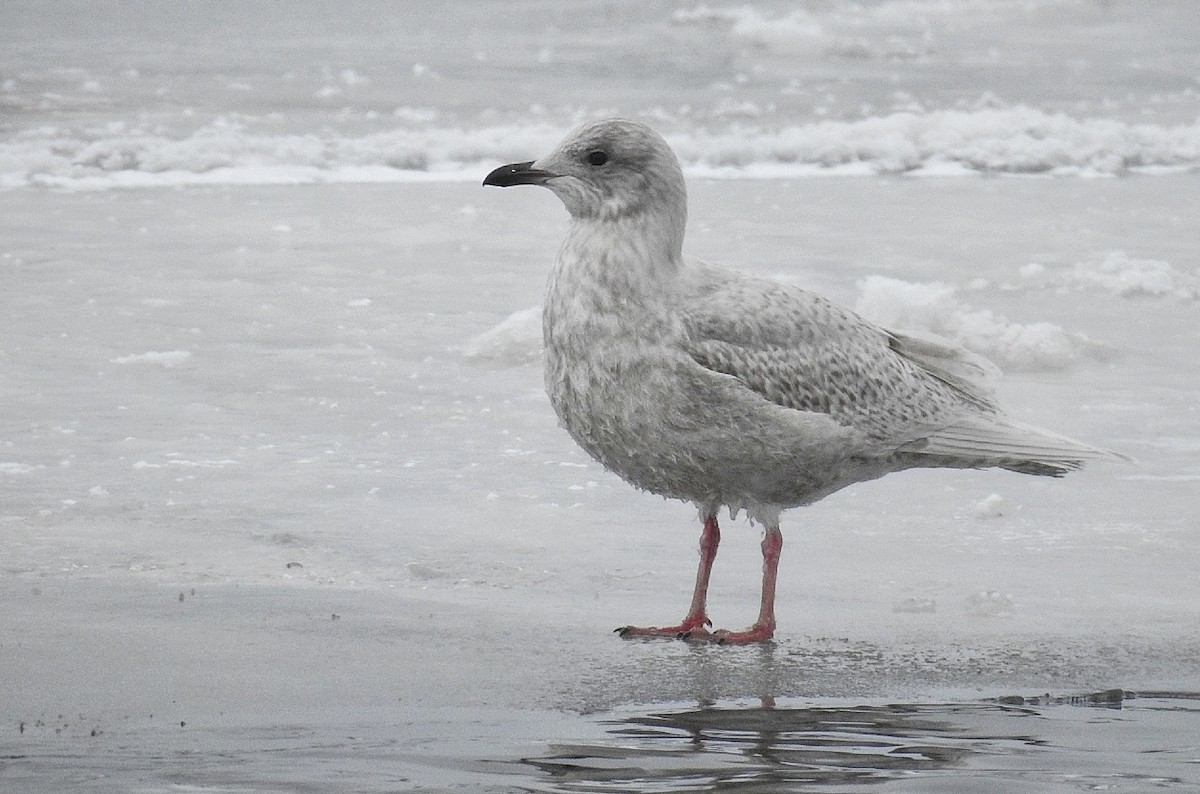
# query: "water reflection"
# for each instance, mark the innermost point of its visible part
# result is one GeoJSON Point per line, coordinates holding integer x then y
{"type": "Point", "coordinates": [771, 749]}
{"type": "Point", "coordinates": [711, 749]}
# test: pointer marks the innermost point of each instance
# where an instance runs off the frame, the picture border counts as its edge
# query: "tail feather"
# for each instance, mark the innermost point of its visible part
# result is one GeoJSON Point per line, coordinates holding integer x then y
{"type": "Point", "coordinates": [1007, 444]}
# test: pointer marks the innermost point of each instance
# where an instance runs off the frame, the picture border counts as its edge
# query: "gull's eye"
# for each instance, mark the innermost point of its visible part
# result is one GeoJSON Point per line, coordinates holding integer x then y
{"type": "Point", "coordinates": [597, 157]}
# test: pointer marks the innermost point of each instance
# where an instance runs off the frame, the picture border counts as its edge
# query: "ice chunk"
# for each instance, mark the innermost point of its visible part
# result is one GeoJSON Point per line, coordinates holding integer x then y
{"type": "Point", "coordinates": [1122, 274]}
{"type": "Point", "coordinates": [991, 506]}
{"type": "Point", "coordinates": [1117, 273]}
{"type": "Point", "coordinates": [933, 307]}
{"type": "Point", "coordinates": [915, 606]}
{"type": "Point", "coordinates": [515, 340]}
{"type": "Point", "coordinates": [16, 468]}
{"type": "Point", "coordinates": [989, 604]}
{"type": "Point", "coordinates": [168, 359]}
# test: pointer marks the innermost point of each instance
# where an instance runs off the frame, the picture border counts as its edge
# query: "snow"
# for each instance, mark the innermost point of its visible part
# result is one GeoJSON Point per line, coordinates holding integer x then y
{"type": "Point", "coordinates": [1119, 274]}
{"type": "Point", "coordinates": [903, 305]}
{"type": "Point", "coordinates": [991, 506]}
{"type": "Point", "coordinates": [517, 339]}
{"type": "Point", "coordinates": [170, 358]}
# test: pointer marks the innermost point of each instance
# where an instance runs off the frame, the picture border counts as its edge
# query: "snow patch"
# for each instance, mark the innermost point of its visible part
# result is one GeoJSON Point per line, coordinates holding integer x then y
{"type": "Point", "coordinates": [915, 606]}
{"type": "Point", "coordinates": [933, 307]}
{"type": "Point", "coordinates": [515, 340]}
{"type": "Point", "coordinates": [1120, 274]}
{"type": "Point", "coordinates": [167, 359]}
{"type": "Point", "coordinates": [204, 464]}
{"type": "Point", "coordinates": [989, 604]}
{"type": "Point", "coordinates": [991, 506]}
{"type": "Point", "coordinates": [17, 468]}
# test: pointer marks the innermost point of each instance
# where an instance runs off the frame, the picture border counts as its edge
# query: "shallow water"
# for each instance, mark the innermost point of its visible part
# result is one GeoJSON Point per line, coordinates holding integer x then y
{"type": "Point", "coordinates": [1107, 741]}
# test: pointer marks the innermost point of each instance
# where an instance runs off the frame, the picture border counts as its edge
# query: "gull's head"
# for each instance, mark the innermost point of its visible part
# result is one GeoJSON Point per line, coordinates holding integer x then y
{"type": "Point", "coordinates": [606, 170]}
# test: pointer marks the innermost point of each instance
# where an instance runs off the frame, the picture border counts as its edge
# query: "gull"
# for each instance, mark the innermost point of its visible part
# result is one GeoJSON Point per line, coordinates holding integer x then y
{"type": "Point", "coordinates": [714, 387]}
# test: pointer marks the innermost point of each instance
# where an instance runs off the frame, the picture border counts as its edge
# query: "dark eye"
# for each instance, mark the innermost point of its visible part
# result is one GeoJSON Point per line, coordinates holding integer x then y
{"type": "Point", "coordinates": [597, 157]}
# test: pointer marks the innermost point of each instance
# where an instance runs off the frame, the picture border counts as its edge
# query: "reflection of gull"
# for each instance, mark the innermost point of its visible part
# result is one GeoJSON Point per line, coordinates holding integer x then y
{"type": "Point", "coordinates": [706, 385]}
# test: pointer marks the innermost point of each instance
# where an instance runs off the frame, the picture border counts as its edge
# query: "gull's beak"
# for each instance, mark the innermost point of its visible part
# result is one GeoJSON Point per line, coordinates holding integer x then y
{"type": "Point", "coordinates": [517, 174]}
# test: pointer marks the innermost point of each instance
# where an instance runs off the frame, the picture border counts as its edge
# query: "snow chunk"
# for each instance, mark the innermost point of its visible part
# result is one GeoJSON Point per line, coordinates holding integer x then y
{"type": "Point", "coordinates": [989, 604]}
{"type": "Point", "coordinates": [915, 606]}
{"type": "Point", "coordinates": [165, 359]}
{"type": "Point", "coordinates": [933, 307]}
{"type": "Point", "coordinates": [16, 468]}
{"type": "Point", "coordinates": [1124, 276]}
{"type": "Point", "coordinates": [1119, 274]}
{"type": "Point", "coordinates": [425, 571]}
{"type": "Point", "coordinates": [991, 506]}
{"type": "Point", "coordinates": [204, 464]}
{"type": "Point", "coordinates": [515, 340]}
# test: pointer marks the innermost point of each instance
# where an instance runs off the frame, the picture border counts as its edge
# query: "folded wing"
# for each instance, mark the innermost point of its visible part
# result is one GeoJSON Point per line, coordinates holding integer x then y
{"type": "Point", "coordinates": [912, 393]}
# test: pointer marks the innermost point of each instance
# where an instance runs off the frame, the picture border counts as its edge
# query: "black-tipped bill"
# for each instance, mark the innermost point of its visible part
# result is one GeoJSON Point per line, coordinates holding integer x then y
{"type": "Point", "coordinates": [517, 174]}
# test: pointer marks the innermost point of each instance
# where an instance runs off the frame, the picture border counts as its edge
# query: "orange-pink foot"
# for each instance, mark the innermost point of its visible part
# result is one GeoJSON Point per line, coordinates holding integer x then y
{"type": "Point", "coordinates": [759, 632]}
{"type": "Point", "coordinates": [698, 631]}
{"type": "Point", "coordinates": [689, 625]}
{"type": "Point", "coordinates": [756, 633]}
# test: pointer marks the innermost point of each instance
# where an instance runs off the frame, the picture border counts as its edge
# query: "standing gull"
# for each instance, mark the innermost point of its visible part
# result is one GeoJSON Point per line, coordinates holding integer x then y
{"type": "Point", "coordinates": [724, 390]}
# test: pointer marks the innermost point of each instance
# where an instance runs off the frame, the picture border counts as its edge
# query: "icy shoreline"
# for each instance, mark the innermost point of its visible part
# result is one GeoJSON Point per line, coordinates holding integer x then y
{"type": "Point", "coordinates": [1012, 140]}
{"type": "Point", "coordinates": [205, 385]}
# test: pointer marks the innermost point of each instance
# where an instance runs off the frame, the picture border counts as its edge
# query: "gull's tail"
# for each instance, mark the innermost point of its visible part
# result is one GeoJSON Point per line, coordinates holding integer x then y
{"type": "Point", "coordinates": [995, 440]}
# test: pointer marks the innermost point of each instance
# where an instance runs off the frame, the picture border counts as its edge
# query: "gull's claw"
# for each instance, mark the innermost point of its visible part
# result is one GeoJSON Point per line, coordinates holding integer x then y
{"type": "Point", "coordinates": [690, 624]}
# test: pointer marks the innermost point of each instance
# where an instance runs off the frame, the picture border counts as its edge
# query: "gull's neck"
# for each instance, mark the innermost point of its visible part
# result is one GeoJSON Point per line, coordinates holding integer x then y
{"type": "Point", "coordinates": [613, 280]}
{"type": "Point", "coordinates": [631, 253]}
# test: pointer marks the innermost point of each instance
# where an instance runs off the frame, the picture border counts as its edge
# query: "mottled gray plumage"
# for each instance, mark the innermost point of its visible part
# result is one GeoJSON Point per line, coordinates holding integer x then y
{"type": "Point", "coordinates": [714, 387]}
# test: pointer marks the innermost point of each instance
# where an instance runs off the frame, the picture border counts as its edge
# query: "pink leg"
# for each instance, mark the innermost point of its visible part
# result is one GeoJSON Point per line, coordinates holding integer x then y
{"type": "Point", "coordinates": [763, 628]}
{"type": "Point", "coordinates": [697, 616]}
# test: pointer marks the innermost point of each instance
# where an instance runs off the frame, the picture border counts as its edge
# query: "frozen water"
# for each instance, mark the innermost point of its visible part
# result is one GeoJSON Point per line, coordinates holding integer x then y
{"type": "Point", "coordinates": [277, 514]}
{"type": "Point", "coordinates": [516, 340]}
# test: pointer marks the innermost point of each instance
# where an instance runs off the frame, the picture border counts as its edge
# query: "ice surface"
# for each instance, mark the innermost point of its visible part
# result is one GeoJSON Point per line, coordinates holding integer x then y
{"type": "Point", "coordinates": [277, 512]}
{"type": "Point", "coordinates": [361, 441]}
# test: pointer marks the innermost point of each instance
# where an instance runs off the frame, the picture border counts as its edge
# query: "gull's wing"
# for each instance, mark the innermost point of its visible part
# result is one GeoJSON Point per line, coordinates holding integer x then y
{"type": "Point", "coordinates": [911, 392]}
{"type": "Point", "coordinates": [801, 351]}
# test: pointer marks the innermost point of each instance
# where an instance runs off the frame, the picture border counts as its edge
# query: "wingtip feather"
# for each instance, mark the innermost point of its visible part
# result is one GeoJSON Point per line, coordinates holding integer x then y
{"type": "Point", "coordinates": [1015, 446]}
